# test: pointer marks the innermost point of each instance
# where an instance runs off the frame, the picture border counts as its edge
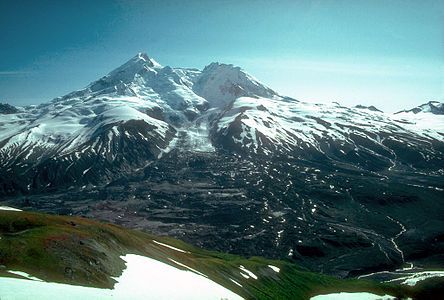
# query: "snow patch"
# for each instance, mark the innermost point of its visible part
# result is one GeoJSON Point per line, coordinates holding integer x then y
{"type": "Point", "coordinates": [9, 208]}
{"type": "Point", "coordinates": [144, 278]}
{"type": "Point", "coordinates": [186, 267]}
{"type": "Point", "coordinates": [250, 274]}
{"type": "Point", "coordinates": [352, 296]}
{"type": "Point", "coordinates": [274, 268]}
{"type": "Point", "coordinates": [24, 274]}
{"type": "Point", "coordinates": [171, 247]}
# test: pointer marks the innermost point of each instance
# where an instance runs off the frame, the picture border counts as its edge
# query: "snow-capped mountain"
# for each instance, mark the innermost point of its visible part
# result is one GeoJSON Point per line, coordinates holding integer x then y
{"type": "Point", "coordinates": [215, 153]}
{"type": "Point", "coordinates": [433, 107]}
{"type": "Point", "coordinates": [368, 138]}
{"type": "Point", "coordinates": [371, 107]}
{"type": "Point", "coordinates": [141, 109]}
{"type": "Point", "coordinates": [121, 121]}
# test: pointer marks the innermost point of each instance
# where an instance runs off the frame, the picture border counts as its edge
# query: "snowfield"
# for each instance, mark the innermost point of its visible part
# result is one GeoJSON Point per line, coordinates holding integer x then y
{"type": "Point", "coordinates": [352, 296]}
{"type": "Point", "coordinates": [144, 278]}
{"type": "Point", "coordinates": [9, 208]}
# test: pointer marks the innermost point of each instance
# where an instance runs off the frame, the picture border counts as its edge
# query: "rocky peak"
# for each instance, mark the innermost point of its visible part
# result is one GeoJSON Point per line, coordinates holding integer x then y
{"type": "Point", "coordinates": [222, 83]}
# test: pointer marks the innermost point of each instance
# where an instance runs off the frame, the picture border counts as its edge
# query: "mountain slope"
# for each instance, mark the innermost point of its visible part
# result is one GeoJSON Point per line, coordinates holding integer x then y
{"type": "Point", "coordinates": [83, 252]}
{"type": "Point", "coordinates": [121, 121]}
{"type": "Point", "coordinates": [433, 107]}
{"type": "Point", "coordinates": [370, 140]}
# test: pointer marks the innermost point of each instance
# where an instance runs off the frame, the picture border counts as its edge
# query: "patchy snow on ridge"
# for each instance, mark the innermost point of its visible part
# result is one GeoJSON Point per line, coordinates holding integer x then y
{"type": "Point", "coordinates": [425, 124]}
{"type": "Point", "coordinates": [66, 125]}
{"type": "Point", "coordinates": [144, 278]}
{"type": "Point", "coordinates": [414, 277]}
{"type": "Point", "coordinates": [288, 123]}
{"type": "Point", "coordinates": [140, 89]}
{"type": "Point", "coordinates": [431, 107]}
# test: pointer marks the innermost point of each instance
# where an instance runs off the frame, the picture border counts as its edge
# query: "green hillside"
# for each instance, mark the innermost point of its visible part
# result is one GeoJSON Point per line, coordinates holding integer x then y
{"type": "Point", "coordinates": [83, 252]}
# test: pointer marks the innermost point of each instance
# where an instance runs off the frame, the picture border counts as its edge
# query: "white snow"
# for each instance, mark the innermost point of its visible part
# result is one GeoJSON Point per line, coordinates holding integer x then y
{"type": "Point", "coordinates": [274, 268]}
{"type": "Point", "coordinates": [426, 124]}
{"type": "Point", "coordinates": [9, 208]}
{"type": "Point", "coordinates": [249, 273]}
{"type": "Point", "coordinates": [220, 84]}
{"type": "Point", "coordinates": [23, 274]}
{"type": "Point", "coordinates": [169, 147]}
{"type": "Point", "coordinates": [66, 125]}
{"type": "Point", "coordinates": [352, 296]}
{"type": "Point", "coordinates": [235, 282]}
{"type": "Point", "coordinates": [186, 267]}
{"type": "Point", "coordinates": [291, 123]}
{"type": "Point", "coordinates": [86, 171]}
{"type": "Point", "coordinates": [144, 278]}
{"type": "Point", "coordinates": [130, 92]}
{"type": "Point", "coordinates": [414, 277]}
{"type": "Point", "coordinates": [171, 247]}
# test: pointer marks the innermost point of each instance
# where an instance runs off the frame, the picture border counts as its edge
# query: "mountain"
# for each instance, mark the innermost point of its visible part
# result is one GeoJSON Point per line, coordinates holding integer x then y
{"type": "Point", "coordinates": [433, 107]}
{"type": "Point", "coordinates": [371, 107]}
{"type": "Point", "coordinates": [367, 139]}
{"type": "Point", "coordinates": [140, 110]}
{"type": "Point", "coordinates": [119, 122]}
{"type": "Point", "coordinates": [44, 254]}
{"type": "Point", "coordinates": [6, 108]}
{"type": "Point", "coordinates": [218, 159]}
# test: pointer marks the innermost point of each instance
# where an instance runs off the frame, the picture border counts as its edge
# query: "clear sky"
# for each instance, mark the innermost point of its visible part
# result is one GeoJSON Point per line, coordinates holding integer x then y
{"type": "Point", "coordinates": [384, 53]}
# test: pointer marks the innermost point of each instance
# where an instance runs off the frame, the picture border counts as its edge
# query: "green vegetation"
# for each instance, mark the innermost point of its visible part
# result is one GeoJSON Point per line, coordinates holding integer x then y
{"type": "Point", "coordinates": [79, 251]}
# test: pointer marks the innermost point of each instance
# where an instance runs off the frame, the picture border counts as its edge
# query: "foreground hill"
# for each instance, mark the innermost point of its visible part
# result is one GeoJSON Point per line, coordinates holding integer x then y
{"type": "Point", "coordinates": [82, 252]}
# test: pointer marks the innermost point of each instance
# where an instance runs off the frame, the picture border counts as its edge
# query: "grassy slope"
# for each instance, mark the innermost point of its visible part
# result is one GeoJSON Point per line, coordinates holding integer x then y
{"type": "Point", "coordinates": [84, 252]}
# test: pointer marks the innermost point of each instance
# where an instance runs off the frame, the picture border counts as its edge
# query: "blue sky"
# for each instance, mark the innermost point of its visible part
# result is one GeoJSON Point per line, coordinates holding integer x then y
{"type": "Point", "coordinates": [384, 53]}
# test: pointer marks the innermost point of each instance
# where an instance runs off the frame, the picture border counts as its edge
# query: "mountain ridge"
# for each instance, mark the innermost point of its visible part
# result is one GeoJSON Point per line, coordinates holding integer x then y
{"type": "Point", "coordinates": [433, 107]}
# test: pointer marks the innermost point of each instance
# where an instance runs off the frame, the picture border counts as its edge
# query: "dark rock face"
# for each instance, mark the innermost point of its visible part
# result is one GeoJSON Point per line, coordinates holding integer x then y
{"type": "Point", "coordinates": [371, 107]}
{"type": "Point", "coordinates": [6, 109]}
